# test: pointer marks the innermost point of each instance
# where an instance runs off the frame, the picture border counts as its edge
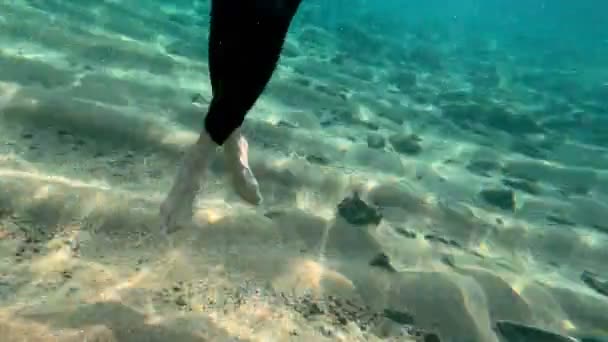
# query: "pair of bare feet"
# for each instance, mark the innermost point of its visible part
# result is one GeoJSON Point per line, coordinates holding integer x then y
{"type": "Point", "coordinates": [179, 202]}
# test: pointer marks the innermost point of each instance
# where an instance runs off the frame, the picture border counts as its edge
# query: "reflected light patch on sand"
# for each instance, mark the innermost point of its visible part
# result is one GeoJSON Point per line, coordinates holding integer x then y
{"type": "Point", "coordinates": [273, 119]}
{"type": "Point", "coordinates": [305, 275]}
{"type": "Point", "coordinates": [484, 249]}
{"type": "Point", "coordinates": [113, 293]}
{"type": "Point", "coordinates": [568, 325]}
{"type": "Point", "coordinates": [280, 163]}
{"type": "Point", "coordinates": [42, 192]}
{"type": "Point", "coordinates": [39, 176]}
{"type": "Point", "coordinates": [53, 262]}
{"type": "Point", "coordinates": [365, 112]}
{"type": "Point", "coordinates": [95, 202]}
{"type": "Point", "coordinates": [370, 185]}
{"type": "Point", "coordinates": [590, 240]}
{"type": "Point", "coordinates": [309, 201]}
{"type": "Point", "coordinates": [519, 284]}
{"type": "Point", "coordinates": [209, 215]}
{"type": "Point", "coordinates": [179, 138]}
{"type": "Point", "coordinates": [343, 145]}
{"type": "Point", "coordinates": [7, 93]}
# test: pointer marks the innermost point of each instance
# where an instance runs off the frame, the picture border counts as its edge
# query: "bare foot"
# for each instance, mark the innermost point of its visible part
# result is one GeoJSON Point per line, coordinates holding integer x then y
{"type": "Point", "coordinates": [179, 202]}
{"type": "Point", "coordinates": [236, 152]}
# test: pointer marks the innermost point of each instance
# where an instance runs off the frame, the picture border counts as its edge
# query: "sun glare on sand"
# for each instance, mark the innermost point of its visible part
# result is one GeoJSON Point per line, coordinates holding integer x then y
{"type": "Point", "coordinates": [308, 275]}
{"type": "Point", "coordinates": [179, 138]}
{"type": "Point", "coordinates": [209, 215]}
{"type": "Point", "coordinates": [7, 93]}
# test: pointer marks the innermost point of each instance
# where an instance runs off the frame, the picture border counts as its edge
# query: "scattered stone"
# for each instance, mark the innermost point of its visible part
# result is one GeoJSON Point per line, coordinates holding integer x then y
{"type": "Point", "coordinates": [439, 239]}
{"type": "Point", "coordinates": [527, 149]}
{"type": "Point", "coordinates": [400, 317]}
{"type": "Point", "coordinates": [27, 248]}
{"type": "Point", "coordinates": [316, 159]}
{"type": "Point", "coordinates": [524, 185]}
{"type": "Point", "coordinates": [591, 279]}
{"type": "Point", "coordinates": [366, 124]}
{"type": "Point", "coordinates": [593, 338]}
{"type": "Point", "coordinates": [518, 332]}
{"type": "Point", "coordinates": [198, 99]}
{"type": "Point", "coordinates": [326, 331]}
{"type": "Point", "coordinates": [375, 141]}
{"type": "Point", "coordinates": [482, 167]}
{"type": "Point", "coordinates": [406, 233]}
{"type": "Point", "coordinates": [404, 80]}
{"type": "Point", "coordinates": [355, 211]}
{"type": "Point", "coordinates": [431, 337]}
{"type": "Point", "coordinates": [181, 301]}
{"type": "Point", "coordinates": [426, 56]}
{"type": "Point", "coordinates": [340, 311]}
{"type": "Point", "coordinates": [448, 260]}
{"type": "Point", "coordinates": [560, 220]}
{"type": "Point", "coordinates": [406, 143]}
{"type": "Point", "coordinates": [477, 254]}
{"type": "Point", "coordinates": [471, 115]}
{"type": "Point", "coordinates": [454, 96]}
{"type": "Point", "coordinates": [5, 234]}
{"type": "Point", "coordinates": [286, 124]}
{"type": "Point", "coordinates": [382, 261]}
{"type": "Point", "coordinates": [500, 198]}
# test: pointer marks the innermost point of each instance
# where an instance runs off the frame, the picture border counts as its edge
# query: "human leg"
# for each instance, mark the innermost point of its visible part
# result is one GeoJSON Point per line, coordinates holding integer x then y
{"type": "Point", "coordinates": [245, 41]}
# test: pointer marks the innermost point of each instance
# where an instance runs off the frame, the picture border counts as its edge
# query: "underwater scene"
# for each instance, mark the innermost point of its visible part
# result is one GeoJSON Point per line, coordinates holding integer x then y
{"type": "Point", "coordinates": [430, 171]}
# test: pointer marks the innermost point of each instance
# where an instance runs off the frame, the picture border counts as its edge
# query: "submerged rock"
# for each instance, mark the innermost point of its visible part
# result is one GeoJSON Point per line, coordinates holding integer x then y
{"type": "Point", "coordinates": [500, 198]}
{"type": "Point", "coordinates": [593, 338]}
{"type": "Point", "coordinates": [376, 141]}
{"type": "Point", "coordinates": [382, 261]}
{"type": "Point", "coordinates": [406, 233]}
{"type": "Point", "coordinates": [593, 282]}
{"type": "Point", "coordinates": [355, 211]}
{"type": "Point", "coordinates": [426, 56]}
{"type": "Point", "coordinates": [440, 239]}
{"type": "Point", "coordinates": [406, 143]}
{"type": "Point", "coordinates": [524, 185]}
{"type": "Point", "coordinates": [458, 96]}
{"type": "Point", "coordinates": [432, 337]}
{"type": "Point", "coordinates": [482, 167]}
{"type": "Point", "coordinates": [404, 80]}
{"type": "Point", "coordinates": [448, 260]}
{"type": "Point", "coordinates": [400, 317]}
{"type": "Point", "coordinates": [518, 332]}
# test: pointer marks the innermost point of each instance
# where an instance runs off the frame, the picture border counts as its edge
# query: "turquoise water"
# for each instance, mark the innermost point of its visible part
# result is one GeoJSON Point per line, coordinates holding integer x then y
{"type": "Point", "coordinates": [431, 171]}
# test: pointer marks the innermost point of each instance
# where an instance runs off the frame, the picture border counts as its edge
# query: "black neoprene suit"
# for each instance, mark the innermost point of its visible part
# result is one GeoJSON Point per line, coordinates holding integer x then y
{"type": "Point", "coordinates": [245, 41]}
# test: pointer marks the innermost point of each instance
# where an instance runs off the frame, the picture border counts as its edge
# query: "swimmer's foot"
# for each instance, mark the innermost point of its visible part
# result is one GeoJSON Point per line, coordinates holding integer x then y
{"type": "Point", "coordinates": [236, 153]}
{"type": "Point", "coordinates": [179, 202]}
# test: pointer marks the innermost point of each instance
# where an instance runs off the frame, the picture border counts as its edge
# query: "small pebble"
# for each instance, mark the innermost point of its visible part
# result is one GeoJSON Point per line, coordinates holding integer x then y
{"type": "Point", "coordinates": [406, 143]}
{"type": "Point", "coordinates": [181, 301]}
{"type": "Point", "coordinates": [400, 317]}
{"type": "Point", "coordinates": [375, 141]}
{"type": "Point", "coordinates": [432, 337]}
{"type": "Point", "coordinates": [500, 198]}
{"type": "Point", "coordinates": [356, 212]}
{"type": "Point", "coordinates": [382, 261]}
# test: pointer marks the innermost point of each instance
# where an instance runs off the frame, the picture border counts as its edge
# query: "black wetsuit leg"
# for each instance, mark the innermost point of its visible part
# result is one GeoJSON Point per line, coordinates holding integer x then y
{"type": "Point", "coordinates": [245, 41]}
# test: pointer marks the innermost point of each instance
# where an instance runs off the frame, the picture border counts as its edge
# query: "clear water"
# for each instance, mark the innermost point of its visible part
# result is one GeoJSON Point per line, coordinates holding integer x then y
{"type": "Point", "coordinates": [474, 133]}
